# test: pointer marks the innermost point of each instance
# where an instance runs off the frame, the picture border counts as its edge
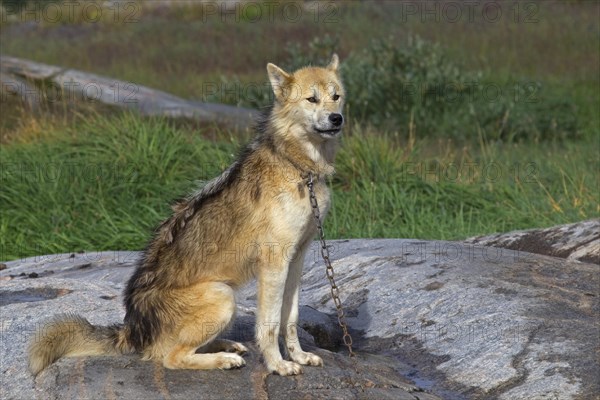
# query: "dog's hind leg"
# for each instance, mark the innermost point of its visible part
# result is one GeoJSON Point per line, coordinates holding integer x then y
{"type": "Point", "coordinates": [185, 357]}
{"type": "Point", "coordinates": [209, 309]}
{"type": "Point", "coordinates": [224, 345]}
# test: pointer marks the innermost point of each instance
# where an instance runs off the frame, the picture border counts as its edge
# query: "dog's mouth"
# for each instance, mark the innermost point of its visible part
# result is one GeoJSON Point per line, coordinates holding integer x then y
{"type": "Point", "coordinates": [328, 132]}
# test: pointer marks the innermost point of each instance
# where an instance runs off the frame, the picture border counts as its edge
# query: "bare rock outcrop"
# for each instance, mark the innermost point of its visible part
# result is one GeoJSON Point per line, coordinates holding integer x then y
{"type": "Point", "coordinates": [579, 241]}
{"type": "Point", "coordinates": [429, 318]}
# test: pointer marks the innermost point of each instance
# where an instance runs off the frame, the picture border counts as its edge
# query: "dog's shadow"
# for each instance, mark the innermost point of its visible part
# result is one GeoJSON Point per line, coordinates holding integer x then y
{"type": "Point", "coordinates": [244, 327]}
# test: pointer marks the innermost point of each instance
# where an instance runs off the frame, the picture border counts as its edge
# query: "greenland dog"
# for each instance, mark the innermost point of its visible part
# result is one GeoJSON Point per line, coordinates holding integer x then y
{"type": "Point", "coordinates": [253, 221]}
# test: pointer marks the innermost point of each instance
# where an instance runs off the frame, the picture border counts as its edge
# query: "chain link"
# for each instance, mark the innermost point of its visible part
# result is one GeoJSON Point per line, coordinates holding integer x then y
{"type": "Point", "coordinates": [335, 295]}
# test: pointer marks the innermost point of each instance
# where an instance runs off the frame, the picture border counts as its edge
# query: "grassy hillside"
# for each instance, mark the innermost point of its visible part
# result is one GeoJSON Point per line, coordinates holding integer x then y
{"type": "Point", "coordinates": [104, 182]}
{"type": "Point", "coordinates": [79, 177]}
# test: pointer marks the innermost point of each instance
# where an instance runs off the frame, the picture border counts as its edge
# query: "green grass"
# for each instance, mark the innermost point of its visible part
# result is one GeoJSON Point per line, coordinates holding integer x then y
{"type": "Point", "coordinates": [105, 182]}
{"type": "Point", "coordinates": [100, 185]}
{"type": "Point", "coordinates": [74, 179]}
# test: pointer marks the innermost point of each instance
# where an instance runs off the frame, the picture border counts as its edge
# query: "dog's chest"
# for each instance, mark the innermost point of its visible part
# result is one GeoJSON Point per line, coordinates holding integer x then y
{"type": "Point", "coordinates": [294, 212]}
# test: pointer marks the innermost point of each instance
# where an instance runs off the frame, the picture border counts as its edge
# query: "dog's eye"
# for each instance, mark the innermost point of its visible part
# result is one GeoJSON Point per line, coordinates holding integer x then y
{"type": "Point", "coordinates": [312, 99]}
{"type": "Point", "coordinates": [336, 97]}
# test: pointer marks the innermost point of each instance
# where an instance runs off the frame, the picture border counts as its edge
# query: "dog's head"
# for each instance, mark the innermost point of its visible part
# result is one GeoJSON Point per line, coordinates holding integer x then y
{"type": "Point", "coordinates": [312, 98]}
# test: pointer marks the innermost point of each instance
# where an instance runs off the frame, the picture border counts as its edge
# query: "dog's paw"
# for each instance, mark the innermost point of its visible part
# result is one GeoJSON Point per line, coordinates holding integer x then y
{"type": "Point", "coordinates": [229, 361]}
{"type": "Point", "coordinates": [306, 358]}
{"type": "Point", "coordinates": [287, 368]}
{"type": "Point", "coordinates": [235, 347]}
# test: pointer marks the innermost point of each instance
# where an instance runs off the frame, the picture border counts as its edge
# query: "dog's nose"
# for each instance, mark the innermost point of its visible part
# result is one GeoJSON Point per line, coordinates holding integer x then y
{"type": "Point", "coordinates": [336, 119]}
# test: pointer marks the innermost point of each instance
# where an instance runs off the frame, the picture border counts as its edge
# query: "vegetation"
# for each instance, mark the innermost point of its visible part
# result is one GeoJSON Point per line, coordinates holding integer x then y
{"type": "Point", "coordinates": [439, 163]}
{"type": "Point", "coordinates": [415, 83]}
{"type": "Point", "coordinates": [104, 182]}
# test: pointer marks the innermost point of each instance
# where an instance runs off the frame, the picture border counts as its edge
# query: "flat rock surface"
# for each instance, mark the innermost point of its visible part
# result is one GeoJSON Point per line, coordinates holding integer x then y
{"type": "Point", "coordinates": [579, 241]}
{"type": "Point", "coordinates": [459, 320]}
{"type": "Point", "coordinates": [129, 378]}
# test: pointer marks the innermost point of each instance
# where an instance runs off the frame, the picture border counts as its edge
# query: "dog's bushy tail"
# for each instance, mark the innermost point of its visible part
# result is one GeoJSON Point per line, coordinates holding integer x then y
{"type": "Point", "coordinates": [70, 335]}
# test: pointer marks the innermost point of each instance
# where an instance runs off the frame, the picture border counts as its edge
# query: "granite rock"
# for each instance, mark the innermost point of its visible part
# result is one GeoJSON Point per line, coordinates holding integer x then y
{"type": "Point", "coordinates": [458, 320]}
{"type": "Point", "coordinates": [579, 241]}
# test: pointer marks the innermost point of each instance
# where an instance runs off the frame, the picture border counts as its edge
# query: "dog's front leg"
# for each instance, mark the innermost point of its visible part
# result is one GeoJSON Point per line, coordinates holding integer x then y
{"type": "Point", "coordinates": [289, 313]}
{"type": "Point", "coordinates": [271, 285]}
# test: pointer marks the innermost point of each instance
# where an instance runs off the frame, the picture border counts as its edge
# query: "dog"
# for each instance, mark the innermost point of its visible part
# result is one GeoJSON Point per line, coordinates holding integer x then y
{"type": "Point", "coordinates": [253, 221]}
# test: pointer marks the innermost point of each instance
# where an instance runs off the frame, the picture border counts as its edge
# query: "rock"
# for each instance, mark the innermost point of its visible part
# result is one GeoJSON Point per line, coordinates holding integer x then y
{"type": "Point", "coordinates": [324, 330]}
{"type": "Point", "coordinates": [579, 241]}
{"type": "Point", "coordinates": [478, 321]}
{"type": "Point", "coordinates": [129, 378]}
{"type": "Point", "coordinates": [110, 267]}
{"type": "Point", "coordinates": [16, 72]}
{"type": "Point", "coordinates": [26, 303]}
{"type": "Point", "coordinates": [65, 285]}
{"type": "Point", "coordinates": [461, 320]}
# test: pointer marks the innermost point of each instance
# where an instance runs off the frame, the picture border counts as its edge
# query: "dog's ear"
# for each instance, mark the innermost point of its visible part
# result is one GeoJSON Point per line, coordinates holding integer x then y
{"type": "Point", "coordinates": [334, 63]}
{"type": "Point", "coordinates": [279, 80]}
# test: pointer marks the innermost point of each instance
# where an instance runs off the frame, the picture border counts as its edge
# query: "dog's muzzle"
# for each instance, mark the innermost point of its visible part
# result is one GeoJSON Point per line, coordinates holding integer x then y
{"type": "Point", "coordinates": [335, 120]}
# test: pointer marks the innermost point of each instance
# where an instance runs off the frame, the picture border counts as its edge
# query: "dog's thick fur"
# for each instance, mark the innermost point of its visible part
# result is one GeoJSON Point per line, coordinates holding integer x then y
{"type": "Point", "coordinates": [254, 220]}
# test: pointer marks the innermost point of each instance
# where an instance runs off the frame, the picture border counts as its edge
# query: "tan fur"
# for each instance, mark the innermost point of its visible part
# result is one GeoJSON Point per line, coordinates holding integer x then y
{"type": "Point", "coordinates": [255, 220]}
{"type": "Point", "coordinates": [70, 335]}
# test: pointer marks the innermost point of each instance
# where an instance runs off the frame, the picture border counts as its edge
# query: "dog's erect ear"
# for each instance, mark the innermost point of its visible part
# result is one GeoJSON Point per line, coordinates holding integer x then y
{"type": "Point", "coordinates": [334, 63]}
{"type": "Point", "coordinates": [279, 79]}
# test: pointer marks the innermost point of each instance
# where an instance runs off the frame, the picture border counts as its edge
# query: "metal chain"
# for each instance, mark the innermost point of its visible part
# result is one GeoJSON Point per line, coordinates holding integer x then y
{"type": "Point", "coordinates": [329, 268]}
